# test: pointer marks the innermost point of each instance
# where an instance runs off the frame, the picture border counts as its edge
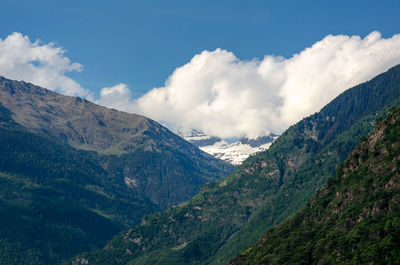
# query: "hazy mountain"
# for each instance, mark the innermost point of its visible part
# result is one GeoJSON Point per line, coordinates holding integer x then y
{"type": "Point", "coordinates": [353, 220]}
{"type": "Point", "coordinates": [73, 173]}
{"type": "Point", "coordinates": [233, 151]}
{"type": "Point", "coordinates": [229, 216]}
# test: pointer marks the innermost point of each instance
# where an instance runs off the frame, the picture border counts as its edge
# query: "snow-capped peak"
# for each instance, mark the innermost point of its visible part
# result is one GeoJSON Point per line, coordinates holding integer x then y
{"type": "Point", "coordinates": [233, 152]}
{"type": "Point", "coordinates": [197, 137]}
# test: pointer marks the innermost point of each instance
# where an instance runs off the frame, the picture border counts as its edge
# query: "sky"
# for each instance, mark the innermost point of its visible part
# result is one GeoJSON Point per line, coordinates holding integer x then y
{"type": "Point", "coordinates": [230, 68]}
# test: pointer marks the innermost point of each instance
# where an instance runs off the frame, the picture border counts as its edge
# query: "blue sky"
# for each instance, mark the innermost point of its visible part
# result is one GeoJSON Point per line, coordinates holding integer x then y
{"type": "Point", "coordinates": [140, 43]}
{"type": "Point", "coordinates": [221, 57]}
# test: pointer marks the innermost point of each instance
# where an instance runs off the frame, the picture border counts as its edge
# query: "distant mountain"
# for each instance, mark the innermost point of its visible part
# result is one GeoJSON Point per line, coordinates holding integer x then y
{"type": "Point", "coordinates": [230, 216]}
{"type": "Point", "coordinates": [197, 137]}
{"type": "Point", "coordinates": [73, 173]}
{"type": "Point", "coordinates": [355, 219]}
{"type": "Point", "coordinates": [234, 152]}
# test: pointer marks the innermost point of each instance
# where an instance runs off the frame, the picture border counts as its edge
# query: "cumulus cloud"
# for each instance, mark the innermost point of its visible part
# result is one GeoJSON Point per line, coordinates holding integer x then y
{"type": "Point", "coordinates": [216, 91]}
{"type": "Point", "coordinates": [228, 97]}
{"type": "Point", "coordinates": [42, 64]}
{"type": "Point", "coordinates": [118, 97]}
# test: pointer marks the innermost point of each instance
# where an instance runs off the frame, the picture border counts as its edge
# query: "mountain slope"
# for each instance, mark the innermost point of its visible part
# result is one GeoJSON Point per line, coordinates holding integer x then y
{"type": "Point", "coordinates": [56, 201]}
{"type": "Point", "coordinates": [229, 216]}
{"type": "Point", "coordinates": [354, 219]}
{"type": "Point", "coordinates": [145, 155]}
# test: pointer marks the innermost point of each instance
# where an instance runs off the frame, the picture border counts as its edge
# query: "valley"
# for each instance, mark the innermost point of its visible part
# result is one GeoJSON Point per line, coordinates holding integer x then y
{"type": "Point", "coordinates": [199, 132]}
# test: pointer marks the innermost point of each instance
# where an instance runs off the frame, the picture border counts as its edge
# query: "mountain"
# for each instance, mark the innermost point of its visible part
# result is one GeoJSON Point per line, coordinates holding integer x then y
{"type": "Point", "coordinates": [73, 174]}
{"type": "Point", "coordinates": [355, 219]}
{"type": "Point", "coordinates": [145, 155]}
{"type": "Point", "coordinates": [229, 216]}
{"type": "Point", "coordinates": [234, 152]}
{"type": "Point", "coordinates": [197, 137]}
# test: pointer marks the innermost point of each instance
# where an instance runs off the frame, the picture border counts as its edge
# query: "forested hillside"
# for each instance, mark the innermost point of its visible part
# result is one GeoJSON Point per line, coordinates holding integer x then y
{"type": "Point", "coordinates": [56, 201]}
{"type": "Point", "coordinates": [355, 219]}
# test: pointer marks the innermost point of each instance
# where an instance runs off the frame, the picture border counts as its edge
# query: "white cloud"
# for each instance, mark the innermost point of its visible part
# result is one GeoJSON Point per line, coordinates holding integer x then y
{"type": "Point", "coordinates": [227, 97]}
{"type": "Point", "coordinates": [42, 64]}
{"type": "Point", "coordinates": [217, 92]}
{"type": "Point", "coordinates": [118, 97]}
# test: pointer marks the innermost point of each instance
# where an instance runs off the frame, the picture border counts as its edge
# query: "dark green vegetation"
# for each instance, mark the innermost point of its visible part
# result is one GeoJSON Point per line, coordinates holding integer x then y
{"type": "Point", "coordinates": [227, 217]}
{"type": "Point", "coordinates": [355, 219]}
{"type": "Point", "coordinates": [57, 201]}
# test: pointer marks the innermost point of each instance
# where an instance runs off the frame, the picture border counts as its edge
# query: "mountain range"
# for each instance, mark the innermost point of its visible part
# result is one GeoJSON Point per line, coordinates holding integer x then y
{"type": "Point", "coordinates": [119, 188]}
{"type": "Point", "coordinates": [227, 217]}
